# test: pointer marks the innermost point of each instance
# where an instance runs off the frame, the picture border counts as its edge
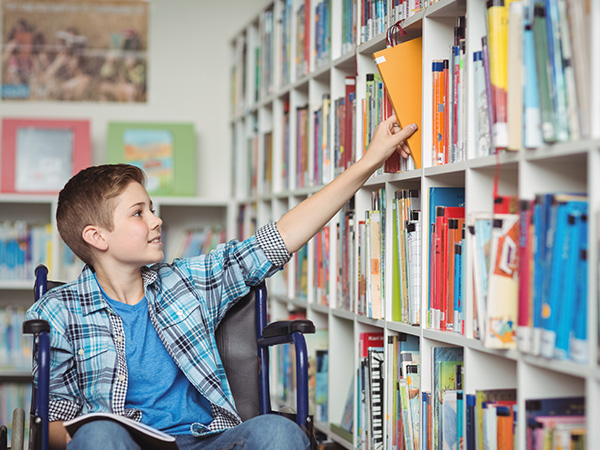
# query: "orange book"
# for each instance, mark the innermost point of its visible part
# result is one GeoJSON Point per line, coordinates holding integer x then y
{"type": "Point", "coordinates": [441, 116]}
{"type": "Point", "coordinates": [400, 68]}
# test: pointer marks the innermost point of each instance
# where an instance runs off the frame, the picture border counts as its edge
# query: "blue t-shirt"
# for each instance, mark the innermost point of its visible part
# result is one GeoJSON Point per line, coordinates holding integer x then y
{"type": "Point", "coordinates": [156, 385]}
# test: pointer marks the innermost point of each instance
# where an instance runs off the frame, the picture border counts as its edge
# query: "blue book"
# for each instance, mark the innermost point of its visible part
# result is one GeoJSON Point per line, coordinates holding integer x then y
{"type": "Point", "coordinates": [561, 116]}
{"type": "Point", "coordinates": [544, 71]}
{"type": "Point", "coordinates": [578, 345]}
{"type": "Point", "coordinates": [557, 243]}
{"type": "Point", "coordinates": [532, 123]}
{"type": "Point", "coordinates": [539, 263]}
{"type": "Point", "coordinates": [570, 254]}
{"type": "Point", "coordinates": [470, 425]}
{"type": "Point", "coordinates": [460, 417]}
{"type": "Point", "coordinates": [458, 288]}
{"type": "Point", "coordinates": [444, 362]}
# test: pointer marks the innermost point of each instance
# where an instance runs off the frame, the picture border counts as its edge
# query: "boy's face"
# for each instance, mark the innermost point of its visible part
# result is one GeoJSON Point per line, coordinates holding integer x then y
{"type": "Point", "coordinates": [136, 237]}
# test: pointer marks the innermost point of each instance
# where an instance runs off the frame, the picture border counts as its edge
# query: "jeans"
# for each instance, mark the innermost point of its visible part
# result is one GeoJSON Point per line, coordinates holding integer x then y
{"type": "Point", "coordinates": [262, 432]}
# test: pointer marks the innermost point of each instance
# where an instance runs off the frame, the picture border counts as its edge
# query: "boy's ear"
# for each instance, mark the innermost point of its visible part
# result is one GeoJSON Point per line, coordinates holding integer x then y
{"type": "Point", "coordinates": [93, 236]}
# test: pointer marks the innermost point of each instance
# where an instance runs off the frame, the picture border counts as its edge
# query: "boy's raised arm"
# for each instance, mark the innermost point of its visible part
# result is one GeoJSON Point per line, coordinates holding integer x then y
{"type": "Point", "coordinates": [303, 221]}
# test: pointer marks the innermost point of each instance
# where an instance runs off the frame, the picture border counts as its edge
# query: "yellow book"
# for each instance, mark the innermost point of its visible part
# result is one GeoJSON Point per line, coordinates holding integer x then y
{"type": "Point", "coordinates": [401, 68]}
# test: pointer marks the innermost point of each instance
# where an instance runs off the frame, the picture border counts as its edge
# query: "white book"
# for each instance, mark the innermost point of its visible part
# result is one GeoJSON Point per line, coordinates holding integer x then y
{"type": "Point", "coordinates": [149, 438]}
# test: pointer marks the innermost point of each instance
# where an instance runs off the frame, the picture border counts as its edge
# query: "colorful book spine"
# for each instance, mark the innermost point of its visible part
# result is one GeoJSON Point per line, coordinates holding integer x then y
{"type": "Point", "coordinates": [497, 25]}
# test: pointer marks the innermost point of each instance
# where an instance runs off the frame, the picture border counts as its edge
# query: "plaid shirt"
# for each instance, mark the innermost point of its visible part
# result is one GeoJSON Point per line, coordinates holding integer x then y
{"type": "Point", "coordinates": [186, 300]}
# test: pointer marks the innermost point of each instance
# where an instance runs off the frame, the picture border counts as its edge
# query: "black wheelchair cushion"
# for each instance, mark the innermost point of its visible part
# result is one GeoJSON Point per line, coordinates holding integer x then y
{"type": "Point", "coordinates": [237, 343]}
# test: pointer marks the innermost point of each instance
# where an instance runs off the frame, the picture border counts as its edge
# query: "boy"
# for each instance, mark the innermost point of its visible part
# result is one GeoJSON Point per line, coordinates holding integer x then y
{"type": "Point", "coordinates": [135, 337]}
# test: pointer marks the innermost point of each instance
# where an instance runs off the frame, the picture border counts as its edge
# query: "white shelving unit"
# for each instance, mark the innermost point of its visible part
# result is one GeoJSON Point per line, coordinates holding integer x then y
{"type": "Point", "coordinates": [571, 166]}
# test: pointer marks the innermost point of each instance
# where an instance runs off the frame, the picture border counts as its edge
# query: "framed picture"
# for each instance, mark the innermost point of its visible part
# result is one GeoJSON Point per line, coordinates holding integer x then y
{"type": "Point", "coordinates": [40, 155]}
{"type": "Point", "coordinates": [166, 152]}
{"type": "Point", "coordinates": [84, 50]}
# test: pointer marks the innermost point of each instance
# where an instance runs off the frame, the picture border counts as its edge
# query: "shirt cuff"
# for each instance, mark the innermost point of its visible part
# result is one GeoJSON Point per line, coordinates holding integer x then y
{"type": "Point", "coordinates": [271, 242]}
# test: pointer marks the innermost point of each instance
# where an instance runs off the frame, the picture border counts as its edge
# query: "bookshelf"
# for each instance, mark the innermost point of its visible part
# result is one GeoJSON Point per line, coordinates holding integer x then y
{"type": "Point", "coordinates": [258, 110]}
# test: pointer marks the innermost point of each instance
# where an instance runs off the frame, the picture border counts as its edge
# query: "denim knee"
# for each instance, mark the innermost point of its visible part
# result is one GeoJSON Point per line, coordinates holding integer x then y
{"type": "Point", "coordinates": [277, 432]}
{"type": "Point", "coordinates": [102, 435]}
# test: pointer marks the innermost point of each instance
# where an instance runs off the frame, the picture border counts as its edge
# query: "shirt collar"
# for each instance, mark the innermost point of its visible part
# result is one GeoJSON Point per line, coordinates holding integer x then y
{"type": "Point", "coordinates": [90, 295]}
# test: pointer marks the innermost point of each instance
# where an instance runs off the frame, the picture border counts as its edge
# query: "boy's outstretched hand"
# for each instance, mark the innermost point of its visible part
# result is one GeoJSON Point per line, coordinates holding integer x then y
{"type": "Point", "coordinates": [387, 138]}
{"type": "Point", "coordinates": [301, 223]}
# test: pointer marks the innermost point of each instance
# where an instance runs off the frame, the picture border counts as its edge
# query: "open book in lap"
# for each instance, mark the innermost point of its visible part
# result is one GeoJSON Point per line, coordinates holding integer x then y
{"type": "Point", "coordinates": [149, 438]}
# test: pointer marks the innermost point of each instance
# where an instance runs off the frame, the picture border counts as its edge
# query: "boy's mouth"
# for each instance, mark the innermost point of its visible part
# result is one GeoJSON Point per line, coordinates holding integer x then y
{"type": "Point", "coordinates": [156, 240]}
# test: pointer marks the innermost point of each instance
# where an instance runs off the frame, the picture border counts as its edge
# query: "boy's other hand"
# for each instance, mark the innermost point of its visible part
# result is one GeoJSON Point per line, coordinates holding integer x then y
{"type": "Point", "coordinates": [389, 137]}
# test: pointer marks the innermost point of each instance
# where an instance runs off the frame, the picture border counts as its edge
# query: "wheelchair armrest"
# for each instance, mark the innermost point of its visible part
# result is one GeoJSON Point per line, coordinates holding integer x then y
{"type": "Point", "coordinates": [36, 326]}
{"type": "Point", "coordinates": [287, 327]}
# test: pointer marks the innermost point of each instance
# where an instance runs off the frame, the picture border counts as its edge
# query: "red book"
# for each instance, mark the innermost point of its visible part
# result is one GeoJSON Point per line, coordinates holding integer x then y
{"type": "Point", "coordinates": [446, 108]}
{"type": "Point", "coordinates": [443, 214]}
{"type": "Point", "coordinates": [369, 339]}
{"type": "Point", "coordinates": [526, 236]}
{"type": "Point", "coordinates": [454, 236]}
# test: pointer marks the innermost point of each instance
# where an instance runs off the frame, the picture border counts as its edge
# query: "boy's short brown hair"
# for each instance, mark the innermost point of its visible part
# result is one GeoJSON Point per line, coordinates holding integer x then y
{"type": "Point", "coordinates": [86, 200]}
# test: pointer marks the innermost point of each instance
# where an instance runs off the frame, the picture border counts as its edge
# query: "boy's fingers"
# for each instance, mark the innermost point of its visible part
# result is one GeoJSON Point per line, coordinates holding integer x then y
{"type": "Point", "coordinates": [406, 132]}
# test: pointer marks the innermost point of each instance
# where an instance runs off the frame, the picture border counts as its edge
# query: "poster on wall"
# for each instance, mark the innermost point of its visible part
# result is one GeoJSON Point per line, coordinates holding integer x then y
{"type": "Point", "coordinates": [74, 50]}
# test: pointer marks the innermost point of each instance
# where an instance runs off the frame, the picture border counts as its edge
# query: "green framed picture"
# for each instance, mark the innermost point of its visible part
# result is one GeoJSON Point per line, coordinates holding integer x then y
{"type": "Point", "coordinates": [166, 152]}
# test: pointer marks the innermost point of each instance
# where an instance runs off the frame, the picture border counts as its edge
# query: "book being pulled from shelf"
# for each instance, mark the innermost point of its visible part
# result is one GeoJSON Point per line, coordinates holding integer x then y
{"type": "Point", "coordinates": [148, 437]}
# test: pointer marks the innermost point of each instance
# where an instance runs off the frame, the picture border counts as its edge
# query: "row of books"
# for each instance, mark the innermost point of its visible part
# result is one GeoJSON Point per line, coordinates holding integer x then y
{"type": "Point", "coordinates": [321, 278]}
{"type": "Point", "coordinates": [450, 102]}
{"type": "Point", "coordinates": [373, 18]}
{"type": "Point", "coordinates": [553, 277]}
{"type": "Point", "coordinates": [346, 269]}
{"type": "Point", "coordinates": [265, 54]}
{"type": "Point", "coordinates": [12, 396]}
{"type": "Point", "coordinates": [446, 417]}
{"type": "Point", "coordinates": [23, 246]}
{"type": "Point", "coordinates": [322, 37]}
{"type": "Point", "coordinates": [406, 256]}
{"type": "Point", "coordinates": [349, 25]}
{"type": "Point", "coordinates": [199, 241]}
{"type": "Point", "coordinates": [316, 165]}
{"type": "Point", "coordinates": [322, 169]}
{"type": "Point", "coordinates": [303, 21]}
{"type": "Point", "coordinates": [371, 391]}
{"type": "Point", "coordinates": [284, 365]}
{"type": "Point", "coordinates": [344, 148]}
{"type": "Point", "coordinates": [445, 222]}
{"type": "Point", "coordinates": [15, 347]}
{"type": "Point", "coordinates": [548, 101]}
{"type": "Point", "coordinates": [530, 276]}
{"type": "Point", "coordinates": [371, 258]}
{"type": "Point", "coordinates": [301, 274]}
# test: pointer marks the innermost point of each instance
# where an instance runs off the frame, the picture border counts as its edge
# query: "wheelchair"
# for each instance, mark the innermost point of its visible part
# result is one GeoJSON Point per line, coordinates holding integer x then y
{"type": "Point", "coordinates": [242, 335]}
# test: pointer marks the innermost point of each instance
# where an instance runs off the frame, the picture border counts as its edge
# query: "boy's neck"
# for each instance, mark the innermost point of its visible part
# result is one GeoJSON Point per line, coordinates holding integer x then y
{"type": "Point", "coordinates": [125, 287]}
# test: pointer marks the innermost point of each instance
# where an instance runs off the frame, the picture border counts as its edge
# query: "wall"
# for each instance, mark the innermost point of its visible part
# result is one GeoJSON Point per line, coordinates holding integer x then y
{"type": "Point", "coordinates": [188, 81]}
